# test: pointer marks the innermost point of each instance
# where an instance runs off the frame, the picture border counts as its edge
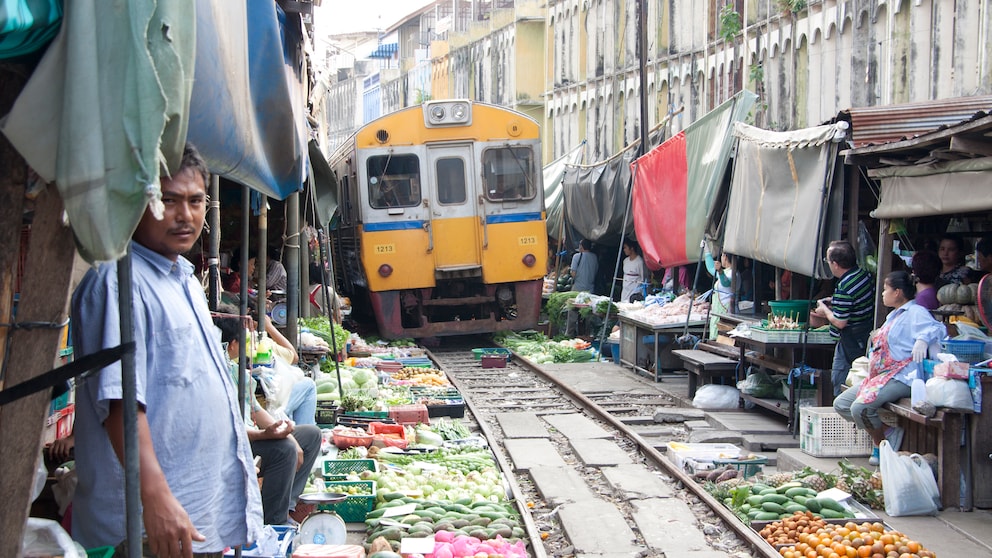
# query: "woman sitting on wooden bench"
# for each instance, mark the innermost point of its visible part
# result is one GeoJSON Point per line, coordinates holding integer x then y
{"type": "Point", "coordinates": [908, 333]}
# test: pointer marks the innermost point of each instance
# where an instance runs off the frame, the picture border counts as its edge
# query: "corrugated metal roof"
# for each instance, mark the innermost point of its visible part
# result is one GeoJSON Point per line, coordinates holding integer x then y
{"type": "Point", "coordinates": [889, 123]}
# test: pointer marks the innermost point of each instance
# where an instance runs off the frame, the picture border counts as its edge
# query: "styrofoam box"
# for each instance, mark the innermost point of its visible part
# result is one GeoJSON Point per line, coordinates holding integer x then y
{"type": "Point", "coordinates": [680, 454]}
{"type": "Point", "coordinates": [824, 433]}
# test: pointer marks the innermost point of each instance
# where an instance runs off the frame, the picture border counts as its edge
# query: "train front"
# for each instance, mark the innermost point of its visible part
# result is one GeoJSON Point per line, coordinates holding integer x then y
{"type": "Point", "coordinates": [453, 237]}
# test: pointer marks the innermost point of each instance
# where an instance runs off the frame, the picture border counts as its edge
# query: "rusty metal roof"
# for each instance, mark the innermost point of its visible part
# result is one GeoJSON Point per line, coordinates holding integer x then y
{"type": "Point", "coordinates": [889, 123]}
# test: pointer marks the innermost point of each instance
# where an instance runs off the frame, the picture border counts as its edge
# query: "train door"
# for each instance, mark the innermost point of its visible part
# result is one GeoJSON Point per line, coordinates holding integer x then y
{"type": "Point", "coordinates": [453, 216]}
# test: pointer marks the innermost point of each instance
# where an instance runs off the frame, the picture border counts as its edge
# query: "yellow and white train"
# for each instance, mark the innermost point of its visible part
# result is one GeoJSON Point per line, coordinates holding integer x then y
{"type": "Point", "coordinates": [441, 225]}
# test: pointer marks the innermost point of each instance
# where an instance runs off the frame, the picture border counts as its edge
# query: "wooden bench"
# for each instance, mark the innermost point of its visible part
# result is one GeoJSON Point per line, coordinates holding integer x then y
{"type": "Point", "coordinates": [705, 366]}
{"type": "Point", "coordinates": [940, 435]}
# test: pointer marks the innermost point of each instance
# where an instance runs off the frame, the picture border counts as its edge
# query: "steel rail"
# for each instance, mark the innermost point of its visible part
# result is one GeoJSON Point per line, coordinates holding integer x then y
{"type": "Point", "coordinates": [533, 533]}
{"type": "Point", "coordinates": [752, 538]}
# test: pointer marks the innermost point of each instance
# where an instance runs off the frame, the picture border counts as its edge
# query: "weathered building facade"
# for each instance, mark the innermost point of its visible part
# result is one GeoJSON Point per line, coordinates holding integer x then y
{"type": "Point", "coordinates": [574, 65]}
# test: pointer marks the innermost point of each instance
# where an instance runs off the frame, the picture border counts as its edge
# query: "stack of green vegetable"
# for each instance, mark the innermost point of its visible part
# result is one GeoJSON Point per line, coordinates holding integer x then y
{"type": "Point", "coordinates": [761, 502]}
{"type": "Point", "coordinates": [539, 349]}
{"type": "Point", "coordinates": [321, 327]}
{"type": "Point", "coordinates": [483, 520]}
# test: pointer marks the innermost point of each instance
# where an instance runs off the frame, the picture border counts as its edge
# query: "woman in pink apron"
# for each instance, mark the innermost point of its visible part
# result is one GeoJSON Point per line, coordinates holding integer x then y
{"type": "Point", "coordinates": [908, 334]}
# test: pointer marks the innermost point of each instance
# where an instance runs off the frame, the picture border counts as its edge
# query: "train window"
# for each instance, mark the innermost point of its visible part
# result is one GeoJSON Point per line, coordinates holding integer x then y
{"type": "Point", "coordinates": [450, 172]}
{"type": "Point", "coordinates": [394, 181]}
{"type": "Point", "coordinates": [508, 173]}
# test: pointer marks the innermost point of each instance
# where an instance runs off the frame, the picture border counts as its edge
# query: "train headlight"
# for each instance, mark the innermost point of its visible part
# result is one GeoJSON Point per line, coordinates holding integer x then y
{"type": "Point", "coordinates": [437, 113]}
{"type": "Point", "coordinates": [385, 270]}
{"type": "Point", "coordinates": [447, 113]}
{"type": "Point", "coordinates": [530, 260]}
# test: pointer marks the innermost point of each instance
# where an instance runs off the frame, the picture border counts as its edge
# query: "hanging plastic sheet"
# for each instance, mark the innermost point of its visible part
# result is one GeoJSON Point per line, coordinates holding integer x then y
{"type": "Point", "coordinates": [554, 197]}
{"type": "Point", "coordinates": [28, 25]}
{"type": "Point", "coordinates": [596, 198]}
{"type": "Point", "coordinates": [106, 104]}
{"type": "Point", "coordinates": [260, 138]}
{"type": "Point", "coordinates": [675, 185]}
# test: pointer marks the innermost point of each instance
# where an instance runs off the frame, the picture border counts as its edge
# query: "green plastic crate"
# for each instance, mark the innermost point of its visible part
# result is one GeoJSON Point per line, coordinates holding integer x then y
{"type": "Point", "coordinates": [357, 506]}
{"type": "Point", "coordinates": [100, 552]}
{"type": "Point", "coordinates": [338, 469]}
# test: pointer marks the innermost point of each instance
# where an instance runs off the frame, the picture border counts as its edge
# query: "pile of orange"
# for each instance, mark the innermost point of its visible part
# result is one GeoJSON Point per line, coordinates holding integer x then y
{"type": "Point", "coordinates": [851, 540]}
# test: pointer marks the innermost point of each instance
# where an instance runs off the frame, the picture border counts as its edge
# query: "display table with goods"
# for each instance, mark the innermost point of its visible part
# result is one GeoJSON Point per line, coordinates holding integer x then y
{"type": "Point", "coordinates": [657, 323]}
{"type": "Point", "coordinates": [813, 514]}
{"type": "Point", "coordinates": [444, 486]}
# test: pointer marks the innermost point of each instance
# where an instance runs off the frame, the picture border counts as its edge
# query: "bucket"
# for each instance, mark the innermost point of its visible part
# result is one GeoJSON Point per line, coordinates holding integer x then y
{"type": "Point", "coordinates": [796, 309]}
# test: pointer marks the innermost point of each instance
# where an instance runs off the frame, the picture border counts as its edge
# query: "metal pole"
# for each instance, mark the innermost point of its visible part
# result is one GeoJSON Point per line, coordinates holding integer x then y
{"type": "Point", "coordinates": [243, 311]}
{"type": "Point", "coordinates": [324, 289]}
{"type": "Point", "coordinates": [642, 52]}
{"type": "Point", "coordinates": [129, 399]}
{"type": "Point", "coordinates": [293, 273]}
{"type": "Point", "coordinates": [261, 262]}
{"type": "Point", "coordinates": [213, 258]}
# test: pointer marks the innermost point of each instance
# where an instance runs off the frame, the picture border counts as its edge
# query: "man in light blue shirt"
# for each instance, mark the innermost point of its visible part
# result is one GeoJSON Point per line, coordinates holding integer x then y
{"type": "Point", "coordinates": [199, 491]}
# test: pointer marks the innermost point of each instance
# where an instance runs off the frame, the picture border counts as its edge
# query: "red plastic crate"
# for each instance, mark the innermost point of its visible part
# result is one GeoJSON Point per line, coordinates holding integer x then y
{"type": "Point", "coordinates": [410, 414]}
{"type": "Point", "coordinates": [385, 435]}
{"type": "Point", "coordinates": [494, 361]}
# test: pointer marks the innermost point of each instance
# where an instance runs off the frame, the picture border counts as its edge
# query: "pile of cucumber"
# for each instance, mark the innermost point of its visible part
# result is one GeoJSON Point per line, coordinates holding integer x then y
{"type": "Point", "coordinates": [768, 503]}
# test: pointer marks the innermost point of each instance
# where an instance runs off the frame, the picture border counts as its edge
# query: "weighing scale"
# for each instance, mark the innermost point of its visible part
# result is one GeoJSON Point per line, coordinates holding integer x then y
{"type": "Point", "coordinates": [322, 526]}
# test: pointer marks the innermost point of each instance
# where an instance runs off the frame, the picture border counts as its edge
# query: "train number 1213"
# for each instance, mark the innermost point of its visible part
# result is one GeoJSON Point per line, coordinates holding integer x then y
{"type": "Point", "coordinates": [528, 240]}
{"type": "Point", "coordinates": [385, 248]}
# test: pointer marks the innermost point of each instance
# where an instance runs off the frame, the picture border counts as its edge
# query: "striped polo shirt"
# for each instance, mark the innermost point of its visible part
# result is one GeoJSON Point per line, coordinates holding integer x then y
{"type": "Point", "coordinates": [854, 299]}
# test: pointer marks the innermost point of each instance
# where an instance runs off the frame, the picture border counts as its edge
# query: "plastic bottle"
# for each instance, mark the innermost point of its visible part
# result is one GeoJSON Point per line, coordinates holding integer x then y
{"type": "Point", "coordinates": [919, 392]}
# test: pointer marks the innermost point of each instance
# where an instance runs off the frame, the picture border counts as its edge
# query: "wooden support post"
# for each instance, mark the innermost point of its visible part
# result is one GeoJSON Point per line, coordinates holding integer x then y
{"type": "Point", "coordinates": [44, 298]}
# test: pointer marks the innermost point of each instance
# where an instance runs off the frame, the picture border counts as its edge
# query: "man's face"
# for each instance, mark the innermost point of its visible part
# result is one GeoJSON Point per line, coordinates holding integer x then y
{"type": "Point", "coordinates": [185, 200]}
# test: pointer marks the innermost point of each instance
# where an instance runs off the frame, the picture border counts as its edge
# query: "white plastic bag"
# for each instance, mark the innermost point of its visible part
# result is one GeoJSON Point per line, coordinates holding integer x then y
{"type": "Point", "coordinates": [950, 394]}
{"type": "Point", "coordinates": [714, 396]}
{"type": "Point", "coordinates": [44, 537]}
{"type": "Point", "coordinates": [908, 483]}
{"type": "Point", "coordinates": [277, 382]}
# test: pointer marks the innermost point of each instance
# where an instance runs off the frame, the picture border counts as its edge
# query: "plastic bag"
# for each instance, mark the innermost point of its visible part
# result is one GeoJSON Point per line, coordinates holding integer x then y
{"type": "Point", "coordinates": [277, 382]}
{"type": "Point", "coordinates": [44, 537]}
{"type": "Point", "coordinates": [714, 396]}
{"type": "Point", "coordinates": [909, 485]}
{"type": "Point", "coordinates": [759, 384]}
{"type": "Point", "coordinates": [950, 394]}
{"type": "Point", "coordinates": [867, 253]}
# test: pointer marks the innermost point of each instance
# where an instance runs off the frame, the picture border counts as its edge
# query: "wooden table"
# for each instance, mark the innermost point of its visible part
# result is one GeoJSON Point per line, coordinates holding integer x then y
{"type": "Point", "coordinates": [820, 377]}
{"type": "Point", "coordinates": [632, 332]}
{"type": "Point", "coordinates": [704, 365]}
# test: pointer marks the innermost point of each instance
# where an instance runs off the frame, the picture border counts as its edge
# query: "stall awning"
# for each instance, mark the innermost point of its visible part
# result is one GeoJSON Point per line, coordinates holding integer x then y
{"type": "Point", "coordinates": [384, 51]}
{"type": "Point", "coordinates": [786, 200]}
{"type": "Point", "coordinates": [952, 187]}
{"type": "Point", "coordinates": [676, 183]}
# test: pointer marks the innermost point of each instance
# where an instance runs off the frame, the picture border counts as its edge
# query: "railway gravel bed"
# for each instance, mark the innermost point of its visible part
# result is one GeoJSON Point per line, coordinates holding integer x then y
{"type": "Point", "coordinates": [586, 466]}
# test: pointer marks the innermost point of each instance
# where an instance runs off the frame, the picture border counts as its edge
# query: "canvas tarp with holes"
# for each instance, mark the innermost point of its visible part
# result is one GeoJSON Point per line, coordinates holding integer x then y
{"type": "Point", "coordinates": [786, 197]}
{"type": "Point", "coordinates": [108, 102]}
{"type": "Point", "coordinates": [676, 184]}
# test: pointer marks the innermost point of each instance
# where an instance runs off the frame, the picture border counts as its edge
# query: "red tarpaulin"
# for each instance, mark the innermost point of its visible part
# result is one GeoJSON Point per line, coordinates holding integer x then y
{"type": "Point", "coordinates": [662, 233]}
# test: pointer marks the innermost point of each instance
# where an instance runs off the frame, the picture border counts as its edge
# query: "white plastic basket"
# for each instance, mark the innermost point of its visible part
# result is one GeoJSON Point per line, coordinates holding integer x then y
{"type": "Point", "coordinates": [824, 433]}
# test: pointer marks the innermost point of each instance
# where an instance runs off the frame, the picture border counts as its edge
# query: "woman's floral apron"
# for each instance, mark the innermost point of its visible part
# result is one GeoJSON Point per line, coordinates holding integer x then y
{"type": "Point", "coordinates": [881, 366]}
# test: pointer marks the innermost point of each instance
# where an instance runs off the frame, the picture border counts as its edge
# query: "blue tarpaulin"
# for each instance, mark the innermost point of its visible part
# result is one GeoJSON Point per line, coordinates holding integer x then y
{"type": "Point", "coordinates": [260, 139]}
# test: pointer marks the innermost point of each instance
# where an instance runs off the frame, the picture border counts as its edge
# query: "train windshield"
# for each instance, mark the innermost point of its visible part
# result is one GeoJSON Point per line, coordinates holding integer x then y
{"type": "Point", "coordinates": [394, 181]}
{"type": "Point", "coordinates": [508, 173]}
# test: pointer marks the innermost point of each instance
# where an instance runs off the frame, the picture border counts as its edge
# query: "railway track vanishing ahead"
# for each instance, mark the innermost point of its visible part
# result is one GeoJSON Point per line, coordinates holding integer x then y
{"type": "Point", "coordinates": [585, 478]}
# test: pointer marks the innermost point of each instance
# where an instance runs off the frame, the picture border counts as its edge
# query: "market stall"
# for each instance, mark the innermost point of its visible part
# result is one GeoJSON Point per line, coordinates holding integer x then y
{"type": "Point", "coordinates": [658, 324]}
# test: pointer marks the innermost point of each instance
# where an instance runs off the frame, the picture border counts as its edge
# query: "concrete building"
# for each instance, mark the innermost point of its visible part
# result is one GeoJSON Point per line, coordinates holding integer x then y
{"type": "Point", "coordinates": [574, 66]}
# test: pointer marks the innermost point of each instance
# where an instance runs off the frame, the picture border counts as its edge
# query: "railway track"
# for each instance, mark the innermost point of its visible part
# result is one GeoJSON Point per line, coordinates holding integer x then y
{"type": "Point", "coordinates": [499, 399]}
